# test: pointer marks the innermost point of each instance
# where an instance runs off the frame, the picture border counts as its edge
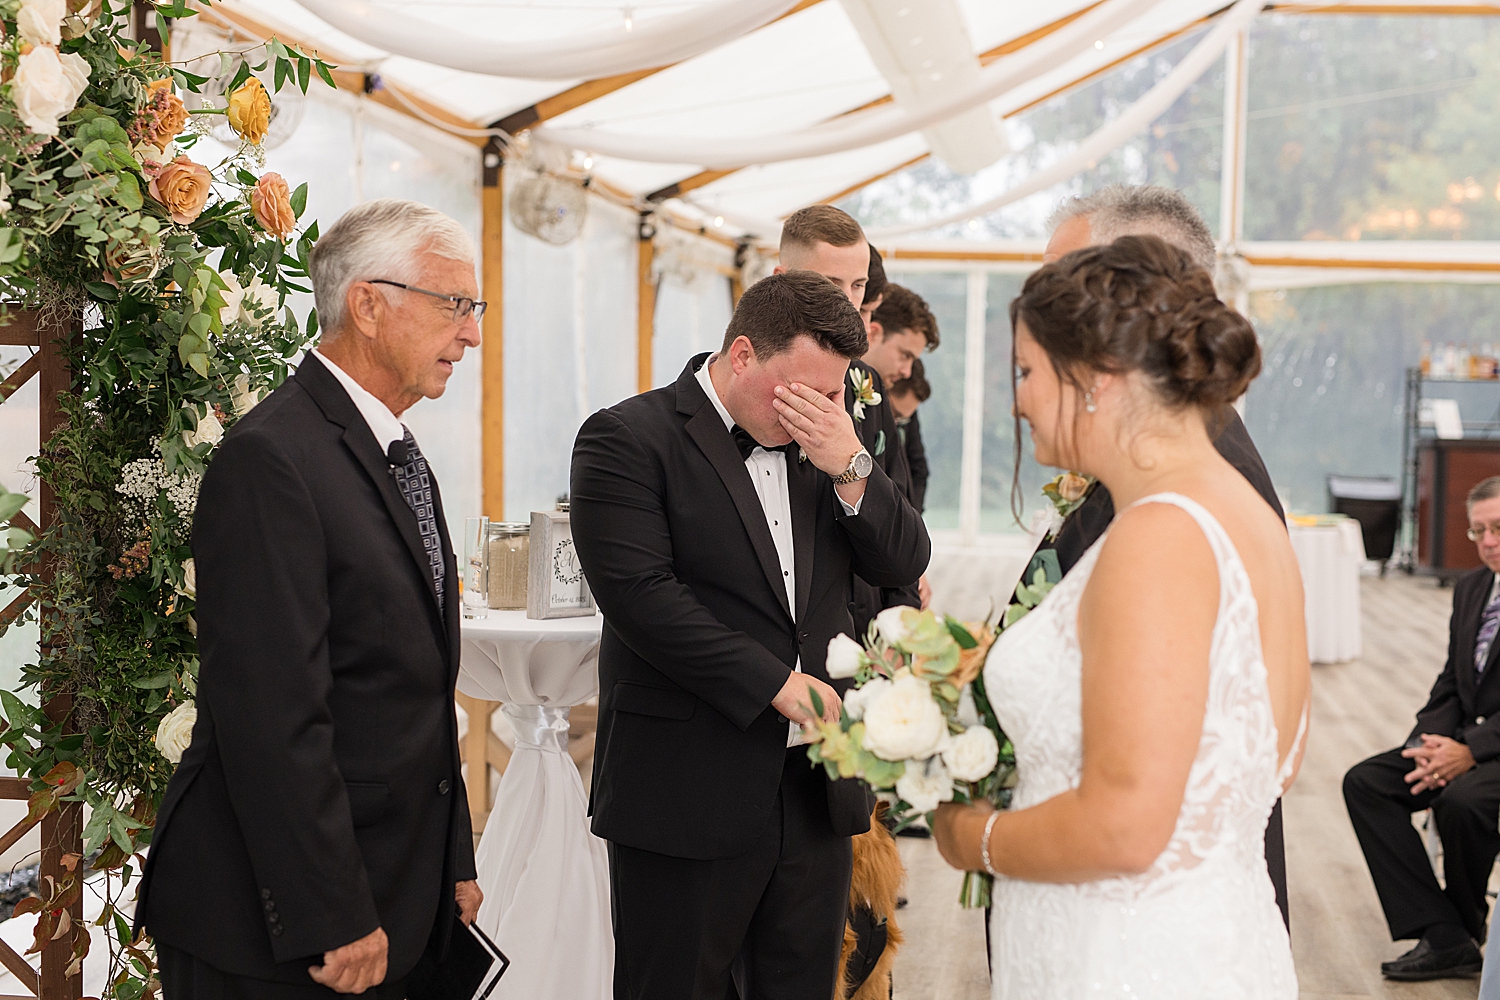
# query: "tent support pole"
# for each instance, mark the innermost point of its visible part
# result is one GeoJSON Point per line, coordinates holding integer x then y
{"type": "Point", "coordinates": [492, 406]}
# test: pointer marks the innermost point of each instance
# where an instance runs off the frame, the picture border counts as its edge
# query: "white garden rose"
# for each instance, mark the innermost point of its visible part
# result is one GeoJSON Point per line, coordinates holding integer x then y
{"type": "Point", "coordinates": [189, 586]}
{"type": "Point", "coordinates": [972, 754]}
{"type": "Point", "coordinates": [968, 712]}
{"type": "Point", "coordinates": [40, 21]}
{"type": "Point", "coordinates": [233, 294]}
{"type": "Point", "coordinates": [209, 429]}
{"type": "Point", "coordinates": [47, 86]}
{"type": "Point", "coordinates": [845, 657]}
{"type": "Point", "coordinates": [905, 722]}
{"type": "Point", "coordinates": [892, 625]}
{"type": "Point", "coordinates": [175, 733]}
{"type": "Point", "coordinates": [244, 399]}
{"type": "Point", "coordinates": [861, 698]}
{"type": "Point", "coordinates": [257, 293]}
{"type": "Point", "coordinates": [925, 784]}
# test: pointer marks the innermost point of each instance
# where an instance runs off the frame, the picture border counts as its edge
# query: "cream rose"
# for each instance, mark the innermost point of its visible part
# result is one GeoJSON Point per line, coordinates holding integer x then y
{"type": "Point", "coordinates": [40, 21]}
{"type": "Point", "coordinates": [232, 294]}
{"type": "Point", "coordinates": [47, 86]}
{"type": "Point", "coordinates": [260, 294]}
{"type": "Point", "coordinates": [189, 586]}
{"type": "Point", "coordinates": [845, 657]}
{"type": "Point", "coordinates": [925, 784]}
{"type": "Point", "coordinates": [271, 202]}
{"type": "Point", "coordinates": [244, 398]}
{"type": "Point", "coordinates": [175, 734]}
{"type": "Point", "coordinates": [182, 186]}
{"type": "Point", "coordinates": [1071, 486]}
{"type": "Point", "coordinates": [856, 701]}
{"type": "Point", "coordinates": [892, 625]}
{"type": "Point", "coordinates": [209, 429]}
{"type": "Point", "coordinates": [972, 754]}
{"type": "Point", "coordinates": [905, 722]}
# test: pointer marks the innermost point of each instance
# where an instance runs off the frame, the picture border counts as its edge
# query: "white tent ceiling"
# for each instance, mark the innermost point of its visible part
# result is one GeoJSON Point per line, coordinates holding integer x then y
{"type": "Point", "coordinates": [805, 68]}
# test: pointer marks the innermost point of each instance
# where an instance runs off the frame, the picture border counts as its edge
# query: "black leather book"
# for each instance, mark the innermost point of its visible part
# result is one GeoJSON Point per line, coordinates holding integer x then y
{"type": "Point", "coordinates": [469, 971]}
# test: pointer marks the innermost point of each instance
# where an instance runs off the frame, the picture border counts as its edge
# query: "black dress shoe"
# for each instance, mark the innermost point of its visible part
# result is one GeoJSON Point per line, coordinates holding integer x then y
{"type": "Point", "coordinates": [1425, 962]}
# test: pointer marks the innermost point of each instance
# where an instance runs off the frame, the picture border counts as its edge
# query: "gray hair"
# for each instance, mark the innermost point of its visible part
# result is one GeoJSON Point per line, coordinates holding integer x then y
{"type": "Point", "coordinates": [1142, 210]}
{"type": "Point", "coordinates": [384, 238]}
{"type": "Point", "coordinates": [1488, 489]}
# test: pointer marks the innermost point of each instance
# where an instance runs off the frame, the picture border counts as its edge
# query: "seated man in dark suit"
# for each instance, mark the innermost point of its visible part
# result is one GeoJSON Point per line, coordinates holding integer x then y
{"type": "Point", "coordinates": [1451, 765]}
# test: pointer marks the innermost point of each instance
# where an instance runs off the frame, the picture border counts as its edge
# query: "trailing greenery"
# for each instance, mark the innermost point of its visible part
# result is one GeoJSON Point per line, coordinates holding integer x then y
{"type": "Point", "coordinates": [174, 276]}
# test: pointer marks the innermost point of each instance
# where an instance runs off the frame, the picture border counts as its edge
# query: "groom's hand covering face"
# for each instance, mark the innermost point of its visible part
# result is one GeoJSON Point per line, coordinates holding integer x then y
{"type": "Point", "coordinates": [751, 395]}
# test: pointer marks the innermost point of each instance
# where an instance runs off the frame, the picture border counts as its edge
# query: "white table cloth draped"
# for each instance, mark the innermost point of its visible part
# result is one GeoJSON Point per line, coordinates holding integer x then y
{"type": "Point", "coordinates": [1331, 557]}
{"type": "Point", "coordinates": [545, 877]}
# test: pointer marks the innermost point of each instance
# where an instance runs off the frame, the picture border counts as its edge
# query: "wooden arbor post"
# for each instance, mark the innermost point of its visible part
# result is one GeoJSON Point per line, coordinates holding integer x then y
{"type": "Point", "coordinates": [62, 829]}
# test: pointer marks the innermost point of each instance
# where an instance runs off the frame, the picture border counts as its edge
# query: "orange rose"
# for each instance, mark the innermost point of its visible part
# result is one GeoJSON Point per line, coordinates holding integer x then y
{"type": "Point", "coordinates": [271, 201]}
{"type": "Point", "coordinates": [250, 111]}
{"type": "Point", "coordinates": [183, 187]}
{"type": "Point", "coordinates": [165, 115]}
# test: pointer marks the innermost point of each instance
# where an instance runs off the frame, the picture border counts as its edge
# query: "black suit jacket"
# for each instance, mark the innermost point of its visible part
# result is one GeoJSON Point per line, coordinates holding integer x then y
{"type": "Point", "coordinates": [881, 437]}
{"type": "Point", "coordinates": [698, 636]}
{"type": "Point", "coordinates": [916, 461]}
{"type": "Point", "coordinates": [1465, 704]}
{"type": "Point", "coordinates": [1087, 524]}
{"type": "Point", "coordinates": [321, 796]}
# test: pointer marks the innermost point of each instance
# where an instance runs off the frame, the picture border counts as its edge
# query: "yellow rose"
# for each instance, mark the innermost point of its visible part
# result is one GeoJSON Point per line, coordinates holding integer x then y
{"type": "Point", "coordinates": [271, 201]}
{"type": "Point", "coordinates": [250, 111]}
{"type": "Point", "coordinates": [183, 187]}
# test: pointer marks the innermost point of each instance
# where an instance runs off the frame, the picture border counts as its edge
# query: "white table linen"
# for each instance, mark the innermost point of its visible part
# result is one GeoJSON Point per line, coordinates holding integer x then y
{"type": "Point", "coordinates": [1331, 558]}
{"type": "Point", "coordinates": [545, 877]}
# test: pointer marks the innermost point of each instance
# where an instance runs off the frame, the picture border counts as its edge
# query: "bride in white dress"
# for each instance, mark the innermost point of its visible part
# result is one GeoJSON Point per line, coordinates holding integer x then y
{"type": "Point", "coordinates": [1157, 698]}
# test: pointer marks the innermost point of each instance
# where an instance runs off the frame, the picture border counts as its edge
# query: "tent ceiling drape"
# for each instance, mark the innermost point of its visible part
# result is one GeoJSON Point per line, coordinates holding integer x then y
{"type": "Point", "coordinates": [763, 105]}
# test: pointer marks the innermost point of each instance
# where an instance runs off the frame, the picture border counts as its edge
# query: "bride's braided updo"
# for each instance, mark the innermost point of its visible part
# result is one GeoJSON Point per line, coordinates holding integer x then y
{"type": "Point", "coordinates": [1140, 304]}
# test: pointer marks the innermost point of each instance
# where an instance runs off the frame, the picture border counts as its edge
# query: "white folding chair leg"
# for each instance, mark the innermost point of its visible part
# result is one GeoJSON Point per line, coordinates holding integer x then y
{"type": "Point", "coordinates": [1434, 843]}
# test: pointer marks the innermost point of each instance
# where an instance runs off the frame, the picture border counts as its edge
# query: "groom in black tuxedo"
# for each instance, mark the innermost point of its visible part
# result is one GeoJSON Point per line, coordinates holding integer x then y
{"type": "Point", "coordinates": [718, 520]}
{"type": "Point", "coordinates": [315, 837]}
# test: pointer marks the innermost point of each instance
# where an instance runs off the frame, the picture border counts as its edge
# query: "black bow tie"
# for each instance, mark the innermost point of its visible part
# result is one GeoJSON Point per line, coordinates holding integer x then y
{"type": "Point", "coordinates": [747, 444]}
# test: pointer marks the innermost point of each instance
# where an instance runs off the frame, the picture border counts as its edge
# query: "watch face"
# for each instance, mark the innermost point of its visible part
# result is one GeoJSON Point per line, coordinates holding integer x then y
{"type": "Point", "coordinates": [863, 465]}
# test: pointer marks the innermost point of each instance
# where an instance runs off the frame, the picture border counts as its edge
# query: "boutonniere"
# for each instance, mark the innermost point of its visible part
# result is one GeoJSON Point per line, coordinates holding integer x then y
{"type": "Point", "coordinates": [864, 392]}
{"type": "Point", "coordinates": [1067, 493]}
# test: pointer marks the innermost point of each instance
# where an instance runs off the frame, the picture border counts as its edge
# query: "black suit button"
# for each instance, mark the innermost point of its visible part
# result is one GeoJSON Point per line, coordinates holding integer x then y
{"type": "Point", "coordinates": [265, 894]}
{"type": "Point", "coordinates": [853, 607]}
{"type": "Point", "coordinates": [274, 919]}
{"type": "Point", "coordinates": [443, 787]}
{"type": "Point", "coordinates": [276, 930]}
{"type": "Point", "coordinates": [270, 907]}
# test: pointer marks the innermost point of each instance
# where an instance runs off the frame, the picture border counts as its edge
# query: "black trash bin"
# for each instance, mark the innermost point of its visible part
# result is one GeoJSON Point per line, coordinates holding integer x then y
{"type": "Point", "coordinates": [1373, 501]}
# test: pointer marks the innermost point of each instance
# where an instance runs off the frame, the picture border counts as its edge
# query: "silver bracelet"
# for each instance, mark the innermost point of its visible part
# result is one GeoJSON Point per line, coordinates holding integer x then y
{"type": "Point", "coordinates": [984, 845]}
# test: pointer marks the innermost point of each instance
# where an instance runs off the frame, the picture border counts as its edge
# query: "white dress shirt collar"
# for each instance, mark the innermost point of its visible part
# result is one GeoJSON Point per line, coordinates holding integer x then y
{"type": "Point", "coordinates": [713, 394]}
{"type": "Point", "coordinates": [383, 423]}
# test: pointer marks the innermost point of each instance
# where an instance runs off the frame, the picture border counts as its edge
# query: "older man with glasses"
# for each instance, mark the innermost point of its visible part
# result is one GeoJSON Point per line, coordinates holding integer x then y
{"type": "Point", "coordinates": [1451, 765]}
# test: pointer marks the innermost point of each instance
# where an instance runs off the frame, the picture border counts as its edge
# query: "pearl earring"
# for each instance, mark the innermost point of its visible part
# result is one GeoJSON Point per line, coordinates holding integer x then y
{"type": "Point", "coordinates": [1088, 401]}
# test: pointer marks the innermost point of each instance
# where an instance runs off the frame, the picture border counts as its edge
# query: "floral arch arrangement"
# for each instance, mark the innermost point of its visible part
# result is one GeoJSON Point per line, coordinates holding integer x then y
{"type": "Point", "coordinates": [172, 275]}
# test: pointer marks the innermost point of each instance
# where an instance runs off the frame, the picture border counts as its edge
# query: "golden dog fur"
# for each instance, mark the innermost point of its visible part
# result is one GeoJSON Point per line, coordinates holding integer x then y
{"type": "Point", "coordinates": [876, 881]}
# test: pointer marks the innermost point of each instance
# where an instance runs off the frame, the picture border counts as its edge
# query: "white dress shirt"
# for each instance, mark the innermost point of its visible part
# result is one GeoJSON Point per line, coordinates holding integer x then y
{"type": "Point", "coordinates": [383, 423]}
{"type": "Point", "coordinates": [768, 473]}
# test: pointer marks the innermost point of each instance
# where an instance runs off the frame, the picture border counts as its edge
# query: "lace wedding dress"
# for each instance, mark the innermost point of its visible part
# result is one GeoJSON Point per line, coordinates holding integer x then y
{"type": "Point", "coordinates": [1203, 921]}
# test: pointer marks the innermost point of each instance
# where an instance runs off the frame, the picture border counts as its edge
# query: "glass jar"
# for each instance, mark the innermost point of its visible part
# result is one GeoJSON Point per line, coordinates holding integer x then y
{"type": "Point", "coordinates": [510, 564]}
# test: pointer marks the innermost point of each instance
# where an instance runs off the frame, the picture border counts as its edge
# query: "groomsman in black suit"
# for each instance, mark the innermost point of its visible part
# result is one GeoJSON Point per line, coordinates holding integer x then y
{"type": "Point", "coordinates": [315, 838]}
{"type": "Point", "coordinates": [906, 396]}
{"type": "Point", "coordinates": [1451, 765]}
{"type": "Point", "coordinates": [1102, 217]}
{"type": "Point", "coordinates": [719, 521]}
{"type": "Point", "coordinates": [827, 240]}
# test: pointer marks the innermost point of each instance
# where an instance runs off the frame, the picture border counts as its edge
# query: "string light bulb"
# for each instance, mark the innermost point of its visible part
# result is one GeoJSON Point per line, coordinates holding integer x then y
{"type": "Point", "coordinates": [629, 18]}
{"type": "Point", "coordinates": [588, 161]}
{"type": "Point", "coordinates": [1099, 44]}
{"type": "Point", "coordinates": [718, 221]}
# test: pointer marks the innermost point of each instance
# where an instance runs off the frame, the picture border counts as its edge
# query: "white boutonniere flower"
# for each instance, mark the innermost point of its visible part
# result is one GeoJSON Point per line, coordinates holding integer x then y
{"type": "Point", "coordinates": [864, 392]}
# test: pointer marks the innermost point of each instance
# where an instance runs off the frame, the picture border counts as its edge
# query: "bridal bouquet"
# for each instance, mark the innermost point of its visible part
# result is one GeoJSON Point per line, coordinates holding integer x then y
{"type": "Point", "coordinates": [916, 723]}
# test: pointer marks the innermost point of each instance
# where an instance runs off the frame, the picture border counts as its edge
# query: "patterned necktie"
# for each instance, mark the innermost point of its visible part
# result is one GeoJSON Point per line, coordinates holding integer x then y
{"type": "Point", "coordinates": [415, 481]}
{"type": "Point", "coordinates": [1489, 624]}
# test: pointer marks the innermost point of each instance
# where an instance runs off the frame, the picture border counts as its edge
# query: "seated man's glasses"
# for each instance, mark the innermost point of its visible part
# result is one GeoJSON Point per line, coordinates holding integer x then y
{"type": "Point", "coordinates": [462, 306]}
{"type": "Point", "coordinates": [1476, 532]}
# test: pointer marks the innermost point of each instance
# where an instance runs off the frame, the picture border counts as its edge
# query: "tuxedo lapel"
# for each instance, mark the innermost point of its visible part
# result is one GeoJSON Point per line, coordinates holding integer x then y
{"type": "Point", "coordinates": [707, 430]}
{"type": "Point", "coordinates": [358, 438]}
{"type": "Point", "coordinates": [803, 483]}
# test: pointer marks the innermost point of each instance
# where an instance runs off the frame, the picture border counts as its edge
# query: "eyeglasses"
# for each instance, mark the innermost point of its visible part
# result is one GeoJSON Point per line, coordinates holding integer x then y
{"type": "Point", "coordinates": [1477, 532]}
{"type": "Point", "coordinates": [462, 306]}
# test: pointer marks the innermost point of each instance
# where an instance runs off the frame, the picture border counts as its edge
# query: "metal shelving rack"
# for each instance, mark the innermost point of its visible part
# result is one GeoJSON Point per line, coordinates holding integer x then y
{"type": "Point", "coordinates": [1412, 436]}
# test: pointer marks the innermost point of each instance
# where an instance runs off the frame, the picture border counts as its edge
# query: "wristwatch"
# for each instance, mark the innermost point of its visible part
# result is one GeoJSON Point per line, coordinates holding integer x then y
{"type": "Point", "coordinates": [860, 467]}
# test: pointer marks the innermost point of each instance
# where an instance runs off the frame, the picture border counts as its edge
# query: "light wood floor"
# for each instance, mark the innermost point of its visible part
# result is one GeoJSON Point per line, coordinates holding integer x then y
{"type": "Point", "coordinates": [1339, 937]}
